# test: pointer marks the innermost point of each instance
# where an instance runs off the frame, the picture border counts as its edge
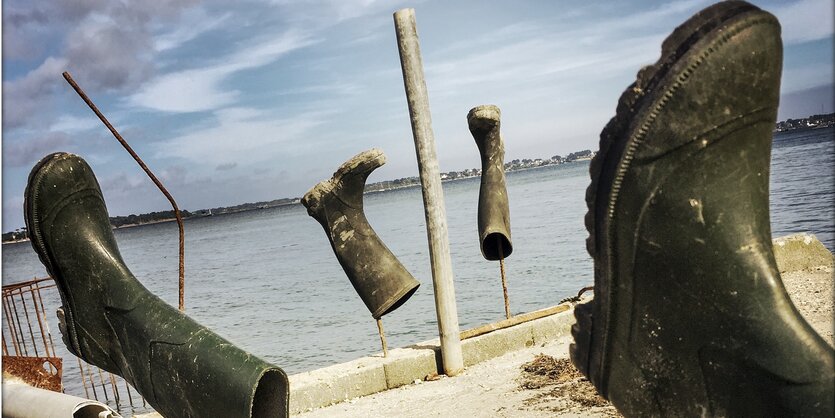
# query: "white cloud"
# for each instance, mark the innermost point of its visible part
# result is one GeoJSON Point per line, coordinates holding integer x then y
{"type": "Point", "coordinates": [185, 91]}
{"type": "Point", "coordinates": [26, 95]}
{"type": "Point", "coordinates": [195, 24]}
{"type": "Point", "coordinates": [71, 124]}
{"type": "Point", "coordinates": [244, 136]}
{"type": "Point", "coordinates": [201, 89]}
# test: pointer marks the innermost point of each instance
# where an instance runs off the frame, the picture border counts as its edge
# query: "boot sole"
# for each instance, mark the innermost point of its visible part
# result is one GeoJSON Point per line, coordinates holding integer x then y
{"type": "Point", "coordinates": [32, 225]}
{"type": "Point", "coordinates": [365, 161]}
{"type": "Point", "coordinates": [608, 168]}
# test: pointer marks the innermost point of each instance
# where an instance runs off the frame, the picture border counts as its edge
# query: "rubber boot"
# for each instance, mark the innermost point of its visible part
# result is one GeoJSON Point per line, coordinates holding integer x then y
{"type": "Point", "coordinates": [493, 210]}
{"type": "Point", "coordinates": [110, 320]}
{"type": "Point", "coordinates": [376, 274]}
{"type": "Point", "coordinates": [690, 316]}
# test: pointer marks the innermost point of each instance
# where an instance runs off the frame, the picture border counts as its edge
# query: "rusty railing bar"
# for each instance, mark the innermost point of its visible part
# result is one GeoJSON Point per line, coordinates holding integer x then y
{"type": "Point", "coordinates": [10, 325]}
{"type": "Point", "coordinates": [29, 324]}
{"type": "Point", "coordinates": [127, 389]}
{"type": "Point", "coordinates": [115, 390]}
{"type": "Point", "coordinates": [133, 154]}
{"type": "Point", "coordinates": [43, 312]}
{"type": "Point", "coordinates": [13, 286]}
{"type": "Point", "coordinates": [19, 330]}
{"type": "Point", "coordinates": [103, 388]}
{"type": "Point", "coordinates": [88, 379]}
{"type": "Point", "coordinates": [40, 323]}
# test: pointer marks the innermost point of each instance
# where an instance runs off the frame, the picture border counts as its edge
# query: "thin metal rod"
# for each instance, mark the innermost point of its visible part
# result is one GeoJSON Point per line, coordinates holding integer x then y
{"type": "Point", "coordinates": [19, 329]}
{"type": "Point", "coordinates": [29, 323]}
{"type": "Point", "coordinates": [162, 188]}
{"type": "Point", "coordinates": [84, 381]}
{"type": "Point", "coordinates": [420, 116]}
{"type": "Point", "coordinates": [103, 387]}
{"type": "Point", "coordinates": [127, 389]}
{"type": "Point", "coordinates": [10, 325]}
{"type": "Point", "coordinates": [115, 390]}
{"type": "Point", "coordinates": [504, 279]}
{"type": "Point", "coordinates": [43, 312]}
{"type": "Point", "coordinates": [40, 323]}
{"type": "Point", "coordinates": [382, 337]}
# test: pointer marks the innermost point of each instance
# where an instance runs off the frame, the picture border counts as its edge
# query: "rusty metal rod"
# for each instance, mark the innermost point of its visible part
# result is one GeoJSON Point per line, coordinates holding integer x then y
{"type": "Point", "coordinates": [127, 389]}
{"type": "Point", "coordinates": [504, 280]}
{"type": "Point", "coordinates": [103, 387]}
{"type": "Point", "coordinates": [19, 330]}
{"type": "Point", "coordinates": [40, 323]}
{"type": "Point", "coordinates": [382, 338]}
{"type": "Point", "coordinates": [115, 391]}
{"type": "Point", "coordinates": [43, 312]}
{"type": "Point", "coordinates": [28, 323]}
{"type": "Point", "coordinates": [10, 325]}
{"type": "Point", "coordinates": [84, 381]}
{"type": "Point", "coordinates": [133, 154]}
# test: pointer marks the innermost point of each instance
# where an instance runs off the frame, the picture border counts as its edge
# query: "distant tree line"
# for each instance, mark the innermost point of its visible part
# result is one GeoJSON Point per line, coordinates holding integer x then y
{"type": "Point", "coordinates": [812, 122]}
{"type": "Point", "coordinates": [120, 221]}
{"type": "Point", "coordinates": [115, 221]}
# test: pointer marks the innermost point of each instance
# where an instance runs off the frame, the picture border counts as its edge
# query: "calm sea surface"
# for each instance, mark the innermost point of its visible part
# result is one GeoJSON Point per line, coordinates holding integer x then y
{"type": "Point", "coordinates": [268, 281]}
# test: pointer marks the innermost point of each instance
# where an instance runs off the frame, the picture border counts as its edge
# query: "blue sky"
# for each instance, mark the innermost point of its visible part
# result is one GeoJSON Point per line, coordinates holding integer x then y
{"type": "Point", "coordinates": [232, 102]}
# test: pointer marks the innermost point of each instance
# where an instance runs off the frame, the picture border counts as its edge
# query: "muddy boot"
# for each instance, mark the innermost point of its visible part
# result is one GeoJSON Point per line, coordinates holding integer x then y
{"type": "Point", "coordinates": [376, 274]}
{"type": "Point", "coordinates": [110, 320]}
{"type": "Point", "coordinates": [690, 316]}
{"type": "Point", "coordinates": [493, 211]}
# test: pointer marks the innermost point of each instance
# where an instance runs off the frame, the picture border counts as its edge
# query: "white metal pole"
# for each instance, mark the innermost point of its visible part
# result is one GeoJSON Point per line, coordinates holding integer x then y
{"type": "Point", "coordinates": [433, 194]}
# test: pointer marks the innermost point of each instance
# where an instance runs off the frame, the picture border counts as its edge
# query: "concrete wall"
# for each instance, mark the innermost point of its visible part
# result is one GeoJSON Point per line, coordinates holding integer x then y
{"type": "Point", "coordinates": [800, 252]}
{"type": "Point", "coordinates": [403, 366]}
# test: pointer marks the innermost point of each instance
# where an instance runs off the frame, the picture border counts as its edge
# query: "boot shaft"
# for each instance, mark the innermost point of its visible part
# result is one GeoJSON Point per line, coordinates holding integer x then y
{"type": "Point", "coordinates": [381, 281]}
{"type": "Point", "coordinates": [493, 207]}
{"type": "Point", "coordinates": [110, 320]}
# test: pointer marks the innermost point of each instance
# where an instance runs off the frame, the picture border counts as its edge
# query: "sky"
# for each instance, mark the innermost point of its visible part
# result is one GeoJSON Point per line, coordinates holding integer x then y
{"type": "Point", "coordinates": [233, 102]}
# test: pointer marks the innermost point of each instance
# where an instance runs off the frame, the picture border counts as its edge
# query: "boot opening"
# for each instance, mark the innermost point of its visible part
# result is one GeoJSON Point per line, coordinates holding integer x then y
{"type": "Point", "coordinates": [94, 411]}
{"type": "Point", "coordinates": [398, 302]}
{"type": "Point", "coordinates": [491, 243]}
{"type": "Point", "coordinates": [271, 395]}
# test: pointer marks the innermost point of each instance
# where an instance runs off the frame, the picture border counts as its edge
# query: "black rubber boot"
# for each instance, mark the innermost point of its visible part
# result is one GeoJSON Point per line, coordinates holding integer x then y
{"type": "Point", "coordinates": [690, 316]}
{"type": "Point", "coordinates": [376, 274]}
{"type": "Point", "coordinates": [493, 210]}
{"type": "Point", "coordinates": [110, 320]}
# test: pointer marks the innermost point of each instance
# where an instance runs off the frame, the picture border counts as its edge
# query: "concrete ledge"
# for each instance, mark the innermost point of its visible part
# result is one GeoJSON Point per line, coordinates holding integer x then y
{"type": "Point", "coordinates": [801, 252]}
{"type": "Point", "coordinates": [336, 383]}
{"type": "Point", "coordinates": [403, 366]}
{"type": "Point", "coordinates": [487, 346]}
{"type": "Point", "coordinates": [368, 375]}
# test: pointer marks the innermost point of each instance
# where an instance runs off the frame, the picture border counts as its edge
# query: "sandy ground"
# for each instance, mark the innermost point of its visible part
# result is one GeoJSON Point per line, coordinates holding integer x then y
{"type": "Point", "coordinates": [501, 388]}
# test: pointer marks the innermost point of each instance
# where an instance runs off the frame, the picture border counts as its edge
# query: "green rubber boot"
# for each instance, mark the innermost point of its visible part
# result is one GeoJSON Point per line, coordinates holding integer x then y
{"type": "Point", "coordinates": [110, 320]}
{"type": "Point", "coordinates": [690, 316]}
{"type": "Point", "coordinates": [380, 279]}
{"type": "Point", "coordinates": [493, 209]}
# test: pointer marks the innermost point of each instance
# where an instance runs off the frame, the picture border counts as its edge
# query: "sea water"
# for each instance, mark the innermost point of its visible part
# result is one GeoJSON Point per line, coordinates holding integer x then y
{"type": "Point", "coordinates": [268, 280]}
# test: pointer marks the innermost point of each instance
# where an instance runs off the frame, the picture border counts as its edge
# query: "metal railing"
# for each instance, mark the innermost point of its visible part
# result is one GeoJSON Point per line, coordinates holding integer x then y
{"type": "Point", "coordinates": [26, 336]}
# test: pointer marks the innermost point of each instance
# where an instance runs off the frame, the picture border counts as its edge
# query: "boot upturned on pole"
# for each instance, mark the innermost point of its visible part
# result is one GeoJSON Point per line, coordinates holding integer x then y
{"type": "Point", "coordinates": [690, 316]}
{"type": "Point", "coordinates": [380, 279]}
{"type": "Point", "coordinates": [493, 208]}
{"type": "Point", "coordinates": [110, 320]}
